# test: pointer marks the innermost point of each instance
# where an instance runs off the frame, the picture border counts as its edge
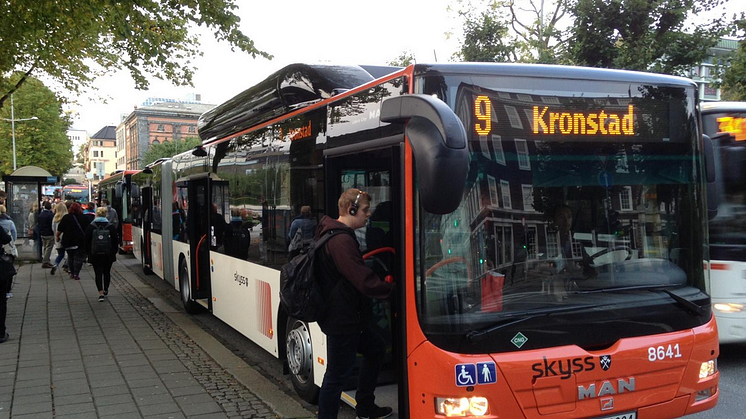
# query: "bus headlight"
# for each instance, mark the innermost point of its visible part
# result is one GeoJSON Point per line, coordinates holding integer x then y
{"type": "Point", "coordinates": [728, 307]}
{"type": "Point", "coordinates": [461, 406]}
{"type": "Point", "coordinates": [708, 368]}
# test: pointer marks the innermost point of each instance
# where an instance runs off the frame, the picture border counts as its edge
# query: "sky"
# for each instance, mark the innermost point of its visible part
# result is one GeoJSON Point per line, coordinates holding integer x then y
{"type": "Point", "coordinates": [321, 31]}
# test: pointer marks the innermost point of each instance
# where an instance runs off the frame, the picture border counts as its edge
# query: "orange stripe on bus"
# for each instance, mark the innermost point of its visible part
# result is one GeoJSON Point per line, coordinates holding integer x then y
{"type": "Point", "coordinates": [719, 266]}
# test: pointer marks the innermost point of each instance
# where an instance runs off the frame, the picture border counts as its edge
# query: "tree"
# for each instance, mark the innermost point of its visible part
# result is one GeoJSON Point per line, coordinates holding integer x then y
{"type": "Point", "coordinates": [42, 142]}
{"type": "Point", "coordinates": [69, 181]}
{"type": "Point", "coordinates": [645, 35]}
{"type": "Point", "coordinates": [733, 84]}
{"type": "Point", "coordinates": [73, 42]}
{"type": "Point", "coordinates": [404, 59]}
{"type": "Point", "coordinates": [503, 32]}
{"type": "Point", "coordinates": [169, 149]}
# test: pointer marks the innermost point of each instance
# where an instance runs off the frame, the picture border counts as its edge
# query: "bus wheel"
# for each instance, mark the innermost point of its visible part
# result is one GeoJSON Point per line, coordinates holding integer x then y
{"type": "Point", "coordinates": [300, 360]}
{"type": "Point", "coordinates": [186, 290]}
{"type": "Point", "coordinates": [145, 269]}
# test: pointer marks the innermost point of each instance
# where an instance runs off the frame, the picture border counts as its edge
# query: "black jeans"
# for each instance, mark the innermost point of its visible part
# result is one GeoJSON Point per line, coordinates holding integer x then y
{"type": "Point", "coordinates": [102, 268]}
{"type": "Point", "coordinates": [3, 304]}
{"type": "Point", "coordinates": [341, 353]}
{"type": "Point", "coordinates": [75, 260]}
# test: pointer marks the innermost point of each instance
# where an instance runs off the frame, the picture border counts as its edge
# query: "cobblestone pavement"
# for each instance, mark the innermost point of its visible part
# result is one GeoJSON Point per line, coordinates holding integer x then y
{"type": "Point", "coordinates": [72, 356]}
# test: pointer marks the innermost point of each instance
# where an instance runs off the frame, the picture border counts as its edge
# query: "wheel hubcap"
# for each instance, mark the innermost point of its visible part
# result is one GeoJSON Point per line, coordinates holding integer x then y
{"type": "Point", "coordinates": [299, 351]}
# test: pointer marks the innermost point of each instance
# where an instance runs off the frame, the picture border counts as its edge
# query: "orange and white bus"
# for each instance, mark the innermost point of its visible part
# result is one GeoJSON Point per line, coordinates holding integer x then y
{"type": "Point", "coordinates": [118, 189]}
{"type": "Point", "coordinates": [725, 122]}
{"type": "Point", "coordinates": [545, 226]}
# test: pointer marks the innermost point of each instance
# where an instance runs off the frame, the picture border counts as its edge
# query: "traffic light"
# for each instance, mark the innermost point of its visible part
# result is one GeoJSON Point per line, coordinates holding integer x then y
{"type": "Point", "coordinates": [613, 224]}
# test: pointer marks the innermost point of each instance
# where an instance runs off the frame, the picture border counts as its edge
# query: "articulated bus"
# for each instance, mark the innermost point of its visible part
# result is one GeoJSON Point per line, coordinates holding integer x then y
{"type": "Point", "coordinates": [77, 193]}
{"type": "Point", "coordinates": [725, 122]}
{"type": "Point", "coordinates": [546, 227]}
{"type": "Point", "coordinates": [118, 189]}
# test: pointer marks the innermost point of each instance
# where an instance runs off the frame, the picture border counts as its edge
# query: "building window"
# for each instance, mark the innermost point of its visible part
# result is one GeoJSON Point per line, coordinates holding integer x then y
{"type": "Point", "coordinates": [95, 153]}
{"type": "Point", "coordinates": [161, 128]}
{"type": "Point", "coordinates": [484, 147]}
{"type": "Point", "coordinates": [625, 198]}
{"type": "Point", "coordinates": [497, 145]}
{"type": "Point", "coordinates": [521, 148]}
{"type": "Point", "coordinates": [550, 99]}
{"type": "Point", "coordinates": [515, 120]}
{"type": "Point", "coordinates": [192, 129]}
{"type": "Point", "coordinates": [552, 244]}
{"type": "Point", "coordinates": [493, 191]}
{"type": "Point", "coordinates": [156, 141]}
{"type": "Point", "coordinates": [505, 192]}
{"type": "Point", "coordinates": [528, 197]}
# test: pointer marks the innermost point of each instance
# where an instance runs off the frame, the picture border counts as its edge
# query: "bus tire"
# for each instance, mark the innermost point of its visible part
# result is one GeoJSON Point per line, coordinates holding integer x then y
{"type": "Point", "coordinates": [300, 359]}
{"type": "Point", "coordinates": [145, 269]}
{"type": "Point", "coordinates": [185, 290]}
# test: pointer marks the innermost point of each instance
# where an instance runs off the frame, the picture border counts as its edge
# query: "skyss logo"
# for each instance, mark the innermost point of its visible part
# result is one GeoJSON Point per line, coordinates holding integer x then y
{"type": "Point", "coordinates": [563, 367]}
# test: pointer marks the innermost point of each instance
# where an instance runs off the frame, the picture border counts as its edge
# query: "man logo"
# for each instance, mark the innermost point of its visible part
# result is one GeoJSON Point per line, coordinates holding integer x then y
{"type": "Point", "coordinates": [605, 362]}
{"type": "Point", "coordinates": [607, 404]}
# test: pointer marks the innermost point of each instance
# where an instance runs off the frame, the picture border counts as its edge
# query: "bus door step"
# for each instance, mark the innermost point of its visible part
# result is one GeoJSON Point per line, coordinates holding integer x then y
{"type": "Point", "coordinates": [386, 395]}
{"type": "Point", "coordinates": [204, 302]}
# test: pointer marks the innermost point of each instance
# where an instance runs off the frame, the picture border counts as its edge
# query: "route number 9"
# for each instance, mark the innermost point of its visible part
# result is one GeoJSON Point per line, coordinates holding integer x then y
{"type": "Point", "coordinates": [483, 114]}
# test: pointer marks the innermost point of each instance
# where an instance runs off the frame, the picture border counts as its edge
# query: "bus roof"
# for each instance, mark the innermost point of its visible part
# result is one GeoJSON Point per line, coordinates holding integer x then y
{"type": "Point", "coordinates": [554, 71]}
{"type": "Point", "coordinates": [714, 107]}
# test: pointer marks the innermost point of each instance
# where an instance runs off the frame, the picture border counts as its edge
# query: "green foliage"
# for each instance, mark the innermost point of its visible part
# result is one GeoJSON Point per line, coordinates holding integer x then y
{"type": "Point", "coordinates": [733, 85]}
{"type": "Point", "coordinates": [69, 181]}
{"type": "Point", "coordinates": [503, 32]}
{"type": "Point", "coordinates": [74, 42]}
{"type": "Point", "coordinates": [485, 37]}
{"type": "Point", "coordinates": [645, 35]}
{"type": "Point", "coordinates": [169, 149]}
{"type": "Point", "coordinates": [404, 59]}
{"type": "Point", "coordinates": [42, 142]}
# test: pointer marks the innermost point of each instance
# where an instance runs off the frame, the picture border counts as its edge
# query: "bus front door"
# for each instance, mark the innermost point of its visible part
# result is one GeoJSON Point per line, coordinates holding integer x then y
{"type": "Point", "coordinates": [378, 173]}
{"type": "Point", "coordinates": [198, 220]}
{"type": "Point", "coordinates": [147, 226]}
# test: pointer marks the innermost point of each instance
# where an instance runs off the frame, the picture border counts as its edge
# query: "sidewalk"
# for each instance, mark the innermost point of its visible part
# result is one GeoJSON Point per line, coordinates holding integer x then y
{"type": "Point", "coordinates": [71, 356]}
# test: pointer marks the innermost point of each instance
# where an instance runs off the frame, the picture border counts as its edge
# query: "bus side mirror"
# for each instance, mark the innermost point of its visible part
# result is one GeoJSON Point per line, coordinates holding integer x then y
{"type": "Point", "coordinates": [438, 141]}
{"type": "Point", "coordinates": [118, 191]}
{"type": "Point", "coordinates": [710, 172]}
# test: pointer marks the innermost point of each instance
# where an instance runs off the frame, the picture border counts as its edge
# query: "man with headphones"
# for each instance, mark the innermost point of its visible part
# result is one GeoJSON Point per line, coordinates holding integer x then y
{"type": "Point", "coordinates": [349, 286]}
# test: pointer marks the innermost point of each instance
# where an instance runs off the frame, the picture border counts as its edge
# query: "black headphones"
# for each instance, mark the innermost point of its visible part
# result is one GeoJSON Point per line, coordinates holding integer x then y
{"type": "Point", "coordinates": [354, 205]}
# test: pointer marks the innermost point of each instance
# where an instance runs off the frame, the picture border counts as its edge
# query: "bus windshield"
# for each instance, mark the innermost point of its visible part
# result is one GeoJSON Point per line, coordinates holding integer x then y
{"type": "Point", "coordinates": [582, 206]}
{"type": "Point", "coordinates": [76, 193]}
{"type": "Point", "coordinates": [728, 228]}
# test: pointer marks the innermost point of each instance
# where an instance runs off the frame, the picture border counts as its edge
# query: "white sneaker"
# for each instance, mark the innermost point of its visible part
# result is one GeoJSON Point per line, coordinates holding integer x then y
{"type": "Point", "coordinates": [8, 295]}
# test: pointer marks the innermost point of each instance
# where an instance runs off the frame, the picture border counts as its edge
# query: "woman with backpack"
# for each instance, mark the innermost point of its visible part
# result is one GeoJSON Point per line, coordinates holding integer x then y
{"type": "Point", "coordinates": [102, 243]}
{"type": "Point", "coordinates": [72, 230]}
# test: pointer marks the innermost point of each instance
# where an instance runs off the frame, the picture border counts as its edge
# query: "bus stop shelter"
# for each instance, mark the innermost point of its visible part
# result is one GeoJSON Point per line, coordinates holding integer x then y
{"type": "Point", "coordinates": [24, 187]}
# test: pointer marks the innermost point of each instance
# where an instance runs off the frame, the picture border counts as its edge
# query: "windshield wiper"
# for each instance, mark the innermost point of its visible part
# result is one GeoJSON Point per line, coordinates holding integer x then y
{"type": "Point", "coordinates": [475, 336]}
{"type": "Point", "coordinates": [686, 304]}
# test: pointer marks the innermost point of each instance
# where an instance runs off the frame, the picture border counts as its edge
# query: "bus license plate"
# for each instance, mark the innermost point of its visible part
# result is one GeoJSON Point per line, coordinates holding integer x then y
{"type": "Point", "coordinates": [627, 415]}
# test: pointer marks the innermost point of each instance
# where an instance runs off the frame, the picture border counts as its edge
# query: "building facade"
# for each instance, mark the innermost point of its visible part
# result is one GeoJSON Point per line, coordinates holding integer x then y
{"type": "Point", "coordinates": [100, 153]}
{"type": "Point", "coordinates": [156, 124]}
{"type": "Point", "coordinates": [77, 138]}
{"type": "Point", "coordinates": [706, 73]}
{"type": "Point", "coordinates": [121, 153]}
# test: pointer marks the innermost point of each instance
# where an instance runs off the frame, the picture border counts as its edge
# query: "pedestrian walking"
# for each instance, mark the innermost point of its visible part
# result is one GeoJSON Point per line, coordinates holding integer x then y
{"type": "Point", "coordinates": [44, 221]}
{"type": "Point", "coordinates": [60, 210]}
{"type": "Point", "coordinates": [101, 246]}
{"type": "Point", "coordinates": [111, 214]}
{"type": "Point", "coordinates": [33, 231]}
{"type": "Point", "coordinates": [72, 232]}
{"type": "Point", "coordinates": [348, 322]}
{"type": "Point", "coordinates": [89, 210]}
{"type": "Point", "coordinates": [7, 271]}
{"type": "Point", "coordinates": [9, 227]}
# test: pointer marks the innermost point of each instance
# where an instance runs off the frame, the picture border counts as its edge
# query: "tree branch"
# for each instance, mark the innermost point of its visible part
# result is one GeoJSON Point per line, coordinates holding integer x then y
{"type": "Point", "coordinates": [17, 85]}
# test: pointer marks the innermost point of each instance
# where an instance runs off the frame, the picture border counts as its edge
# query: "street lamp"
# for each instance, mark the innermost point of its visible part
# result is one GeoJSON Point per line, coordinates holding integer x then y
{"type": "Point", "coordinates": [13, 121]}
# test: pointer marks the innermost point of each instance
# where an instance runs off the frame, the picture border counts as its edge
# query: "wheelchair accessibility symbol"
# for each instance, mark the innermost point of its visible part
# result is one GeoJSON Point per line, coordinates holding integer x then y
{"type": "Point", "coordinates": [466, 375]}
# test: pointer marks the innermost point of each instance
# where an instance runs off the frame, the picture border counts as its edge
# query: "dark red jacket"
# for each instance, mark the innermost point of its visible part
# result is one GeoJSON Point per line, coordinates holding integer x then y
{"type": "Point", "coordinates": [349, 285]}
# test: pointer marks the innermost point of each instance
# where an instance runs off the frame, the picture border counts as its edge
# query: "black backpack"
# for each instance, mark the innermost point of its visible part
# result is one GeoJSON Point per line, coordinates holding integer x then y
{"type": "Point", "coordinates": [301, 293]}
{"type": "Point", "coordinates": [101, 241]}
